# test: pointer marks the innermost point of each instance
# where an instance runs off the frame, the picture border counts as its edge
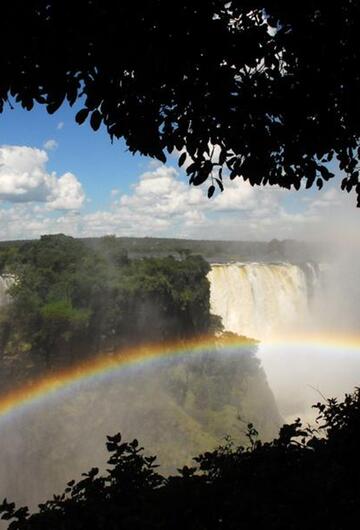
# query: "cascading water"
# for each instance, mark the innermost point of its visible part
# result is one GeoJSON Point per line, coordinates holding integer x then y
{"type": "Point", "coordinates": [306, 308]}
{"type": "Point", "coordinates": [6, 280]}
{"type": "Point", "coordinates": [258, 299]}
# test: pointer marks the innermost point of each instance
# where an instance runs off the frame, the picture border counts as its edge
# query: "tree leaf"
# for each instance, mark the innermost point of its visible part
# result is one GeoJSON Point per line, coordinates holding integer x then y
{"type": "Point", "coordinates": [95, 120]}
{"type": "Point", "coordinates": [53, 106]}
{"type": "Point", "coordinates": [81, 116]}
{"type": "Point", "coordinates": [182, 159]}
{"type": "Point", "coordinates": [191, 168]}
{"type": "Point", "coordinates": [220, 184]}
{"type": "Point", "coordinates": [222, 156]}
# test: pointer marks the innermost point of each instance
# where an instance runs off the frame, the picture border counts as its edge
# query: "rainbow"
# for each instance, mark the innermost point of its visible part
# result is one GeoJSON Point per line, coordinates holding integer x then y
{"type": "Point", "coordinates": [115, 363]}
{"type": "Point", "coordinates": [330, 341]}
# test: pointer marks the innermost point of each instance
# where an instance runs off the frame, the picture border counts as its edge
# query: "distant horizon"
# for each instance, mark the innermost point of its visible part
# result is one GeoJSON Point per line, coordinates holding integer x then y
{"type": "Point", "coordinates": [212, 250]}
{"type": "Point", "coordinates": [166, 238]}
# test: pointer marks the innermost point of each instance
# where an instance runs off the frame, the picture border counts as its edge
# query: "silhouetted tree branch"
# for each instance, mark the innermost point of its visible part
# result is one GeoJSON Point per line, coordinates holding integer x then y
{"type": "Point", "coordinates": [266, 90]}
{"type": "Point", "coordinates": [305, 478]}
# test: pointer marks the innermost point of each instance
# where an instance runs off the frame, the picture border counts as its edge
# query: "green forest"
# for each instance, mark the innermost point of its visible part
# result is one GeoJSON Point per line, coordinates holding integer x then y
{"type": "Point", "coordinates": [70, 300]}
{"type": "Point", "coordinates": [211, 250]}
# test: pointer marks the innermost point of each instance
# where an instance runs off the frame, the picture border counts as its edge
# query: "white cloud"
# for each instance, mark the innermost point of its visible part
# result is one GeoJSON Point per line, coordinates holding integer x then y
{"type": "Point", "coordinates": [60, 125]}
{"type": "Point", "coordinates": [335, 216]}
{"type": "Point", "coordinates": [161, 194]}
{"type": "Point", "coordinates": [26, 221]}
{"type": "Point", "coordinates": [161, 203]}
{"type": "Point", "coordinates": [50, 145]}
{"type": "Point", "coordinates": [154, 164]}
{"type": "Point", "coordinates": [66, 193]}
{"type": "Point", "coordinates": [24, 178]}
{"type": "Point", "coordinates": [330, 198]}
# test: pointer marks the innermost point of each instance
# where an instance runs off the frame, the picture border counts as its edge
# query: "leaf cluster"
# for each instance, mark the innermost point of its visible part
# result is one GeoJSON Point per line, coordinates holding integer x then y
{"type": "Point", "coordinates": [263, 90]}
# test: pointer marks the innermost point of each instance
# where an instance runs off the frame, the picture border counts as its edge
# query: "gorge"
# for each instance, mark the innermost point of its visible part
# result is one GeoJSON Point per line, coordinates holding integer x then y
{"type": "Point", "coordinates": [176, 407]}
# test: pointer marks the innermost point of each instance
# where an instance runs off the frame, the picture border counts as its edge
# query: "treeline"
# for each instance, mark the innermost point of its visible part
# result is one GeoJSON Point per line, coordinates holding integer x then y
{"type": "Point", "coordinates": [211, 250]}
{"type": "Point", "coordinates": [70, 299]}
{"type": "Point", "coordinates": [302, 479]}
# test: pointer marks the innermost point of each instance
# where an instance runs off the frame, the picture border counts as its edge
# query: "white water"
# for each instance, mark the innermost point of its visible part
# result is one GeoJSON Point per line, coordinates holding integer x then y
{"type": "Point", "coordinates": [6, 281]}
{"type": "Point", "coordinates": [259, 299]}
{"type": "Point", "coordinates": [267, 301]}
{"type": "Point", "coordinates": [301, 374]}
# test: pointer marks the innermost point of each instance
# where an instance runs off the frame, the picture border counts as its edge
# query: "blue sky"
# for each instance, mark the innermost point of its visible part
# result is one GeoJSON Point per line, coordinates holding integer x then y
{"type": "Point", "coordinates": [57, 176]}
{"type": "Point", "coordinates": [99, 164]}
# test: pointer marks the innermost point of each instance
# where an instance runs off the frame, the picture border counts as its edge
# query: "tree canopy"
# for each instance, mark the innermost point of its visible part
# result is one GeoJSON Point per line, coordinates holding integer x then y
{"type": "Point", "coordinates": [265, 90]}
{"type": "Point", "coordinates": [70, 299]}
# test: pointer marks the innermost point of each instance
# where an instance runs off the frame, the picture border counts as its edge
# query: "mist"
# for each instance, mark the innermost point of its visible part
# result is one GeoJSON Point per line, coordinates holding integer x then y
{"type": "Point", "coordinates": [317, 356]}
{"type": "Point", "coordinates": [176, 408]}
{"type": "Point", "coordinates": [304, 313]}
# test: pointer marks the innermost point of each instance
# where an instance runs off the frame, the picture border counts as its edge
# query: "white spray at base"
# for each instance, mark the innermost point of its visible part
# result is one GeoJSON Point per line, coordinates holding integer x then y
{"type": "Point", "coordinates": [284, 305]}
{"type": "Point", "coordinates": [6, 281]}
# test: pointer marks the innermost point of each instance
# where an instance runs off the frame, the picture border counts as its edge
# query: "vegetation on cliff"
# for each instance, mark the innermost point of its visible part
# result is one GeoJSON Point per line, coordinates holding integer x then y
{"type": "Point", "coordinates": [178, 406]}
{"type": "Point", "coordinates": [70, 299]}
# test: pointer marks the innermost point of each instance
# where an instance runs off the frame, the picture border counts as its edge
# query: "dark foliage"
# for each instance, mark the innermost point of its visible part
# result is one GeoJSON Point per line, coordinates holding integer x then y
{"type": "Point", "coordinates": [266, 90]}
{"type": "Point", "coordinates": [302, 479]}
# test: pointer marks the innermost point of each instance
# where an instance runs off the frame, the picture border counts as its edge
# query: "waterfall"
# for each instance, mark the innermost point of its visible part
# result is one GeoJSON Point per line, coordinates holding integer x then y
{"type": "Point", "coordinates": [6, 280]}
{"type": "Point", "coordinates": [259, 299]}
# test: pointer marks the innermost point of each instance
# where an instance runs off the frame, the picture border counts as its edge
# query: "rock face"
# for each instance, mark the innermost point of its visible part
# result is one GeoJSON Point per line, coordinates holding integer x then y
{"type": "Point", "coordinates": [259, 299]}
